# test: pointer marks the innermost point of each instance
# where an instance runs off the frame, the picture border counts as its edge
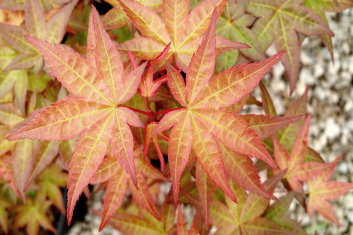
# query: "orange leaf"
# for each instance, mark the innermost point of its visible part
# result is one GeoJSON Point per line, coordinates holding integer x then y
{"type": "Point", "coordinates": [210, 123]}
{"type": "Point", "coordinates": [94, 108]}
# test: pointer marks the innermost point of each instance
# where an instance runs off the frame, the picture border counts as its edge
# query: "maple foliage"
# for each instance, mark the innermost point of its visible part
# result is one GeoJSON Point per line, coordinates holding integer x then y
{"type": "Point", "coordinates": [244, 217]}
{"type": "Point", "coordinates": [233, 24]}
{"type": "Point", "coordinates": [152, 113]}
{"type": "Point", "coordinates": [190, 121]}
{"type": "Point", "coordinates": [117, 181]}
{"type": "Point", "coordinates": [320, 7]}
{"type": "Point", "coordinates": [52, 30]}
{"type": "Point", "coordinates": [157, 32]}
{"type": "Point", "coordinates": [32, 216]}
{"type": "Point", "coordinates": [280, 22]}
{"type": "Point", "coordinates": [91, 108]}
{"type": "Point", "coordinates": [321, 189]}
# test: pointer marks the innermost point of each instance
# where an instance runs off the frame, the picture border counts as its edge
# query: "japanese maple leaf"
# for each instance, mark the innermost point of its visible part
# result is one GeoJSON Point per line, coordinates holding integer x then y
{"type": "Point", "coordinates": [183, 29]}
{"type": "Point", "coordinates": [289, 133]}
{"type": "Point", "coordinates": [118, 180]}
{"type": "Point", "coordinates": [149, 86]}
{"type": "Point", "coordinates": [93, 109]}
{"type": "Point", "coordinates": [29, 157]}
{"type": "Point", "coordinates": [234, 24]}
{"type": "Point", "coordinates": [321, 190]}
{"type": "Point", "coordinates": [7, 174]}
{"type": "Point", "coordinates": [280, 22]}
{"type": "Point", "coordinates": [299, 170]}
{"type": "Point", "coordinates": [202, 120]}
{"type": "Point", "coordinates": [143, 223]}
{"type": "Point", "coordinates": [150, 136]}
{"type": "Point", "coordinates": [287, 136]}
{"type": "Point", "coordinates": [116, 17]}
{"type": "Point", "coordinates": [19, 5]}
{"type": "Point", "coordinates": [49, 183]}
{"type": "Point", "coordinates": [322, 6]}
{"type": "Point", "coordinates": [53, 31]}
{"type": "Point", "coordinates": [12, 79]}
{"type": "Point", "coordinates": [32, 215]}
{"type": "Point", "coordinates": [278, 213]}
{"type": "Point", "coordinates": [244, 217]}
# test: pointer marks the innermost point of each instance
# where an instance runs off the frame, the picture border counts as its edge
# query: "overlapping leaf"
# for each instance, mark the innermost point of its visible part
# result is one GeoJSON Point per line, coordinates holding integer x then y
{"type": "Point", "coordinates": [245, 216]}
{"type": "Point", "coordinates": [116, 17]}
{"type": "Point", "coordinates": [49, 183]}
{"type": "Point", "coordinates": [297, 107]}
{"type": "Point", "coordinates": [202, 121]}
{"type": "Point", "coordinates": [278, 213]}
{"type": "Point", "coordinates": [321, 190]}
{"type": "Point", "coordinates": [19, 5]}
{"type": "Point", "coordinates": [299, 167]}
{"type": "Point", "coordinates": [134, 224]}
{"type": "Point", "coordinates": [178, 26]}
{"type": "Point", "coordinates": [118, 181]}
{"type": "Point", "coordinates": [29, 157]}
{"type": "Point", "coordinates": [234, 24]}
{"type": "Point", "coordinates": [15, 80]}
{"type": "Point", "coordinates": [280, 22]}
{"type": "Point", "coordinates": [33, 215]}
{"type": "Point", "coordinates": [53, 31]}
{"type": "Point", "coordinates": [322, 6]}
{"type": "Point", "coordinates": [93, 110]}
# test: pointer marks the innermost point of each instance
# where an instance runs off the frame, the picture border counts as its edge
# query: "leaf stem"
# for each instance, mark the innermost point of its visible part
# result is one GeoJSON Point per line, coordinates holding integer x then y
{"type": "Point", "coordinates": [149, 114]}
{"type": "Point", "coordinates": [165, 111]}
{"type": "Point", "coordinates": [152, 114]}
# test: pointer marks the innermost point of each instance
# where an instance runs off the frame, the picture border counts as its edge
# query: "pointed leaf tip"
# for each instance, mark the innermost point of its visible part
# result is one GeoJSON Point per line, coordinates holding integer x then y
{"type": "Point", "coordinates": [279, 55]}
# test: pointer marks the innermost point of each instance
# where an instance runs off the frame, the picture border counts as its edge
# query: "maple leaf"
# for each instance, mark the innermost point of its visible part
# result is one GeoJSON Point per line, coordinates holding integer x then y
{"type": "Point", "coordinates": [7, 174]}
{"type": "Point", "coordinates": [295, 159]}
{"type": "Point", "coordinates": [267, 102]}
{"type": "Point", "coordinates": [297, 107]}
{"type": "Point", "coordinates": [201, 121]}
{"type": "Point", "coordinates": [19, 5]}
{"type": "Point", "coordinates": [266, 126]}
{"type": "Point", "coordinates": [116, 17]}
{"type": "Point", "coordinates": [244, 217]}
{"type": "Point", "coordinates": [157, 32]}
{"type": "Point", "coordinates": [280, 22]}
{"type": "Point", "coordinates": [5, 145]}
{"type": "Point", "coordinates": [151, 136]}
{"type": "Point", "coordinates": [53, 31]}
{"type": "Point", "coordinates": [49, 183]}
{"type": "Point", "coordinates": [278, 211]}
{"type": "Point", "coordinates": [320, 6]}
{"type": "Point", "coordinates": [29, 157]}
{"type": "Point", "coordinates": [233, 24]}
{"type": "Point", "coordinates": [15, 80]}
{"type": "Point", "coordinates": [130, 223]}
{"type": "Point", "coordinates": [32, 214]}
{"type": "Point", "coordinates": [93, 109]}
{"type": "Point", "coordinates": [297, 168]}
{"type": "Point", "coordinates": [289, 133]}
{"type": "Point", "coordinates": [321, 190]}
{"type": "Point", "coordinates": [149, 86]}
{"type": "Point", "coordinates": [118, 181]}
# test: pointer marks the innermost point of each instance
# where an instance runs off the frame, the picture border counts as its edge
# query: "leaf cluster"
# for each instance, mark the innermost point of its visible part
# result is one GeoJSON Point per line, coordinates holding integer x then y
{"type": "Point", "coordinates": [150, 112]}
